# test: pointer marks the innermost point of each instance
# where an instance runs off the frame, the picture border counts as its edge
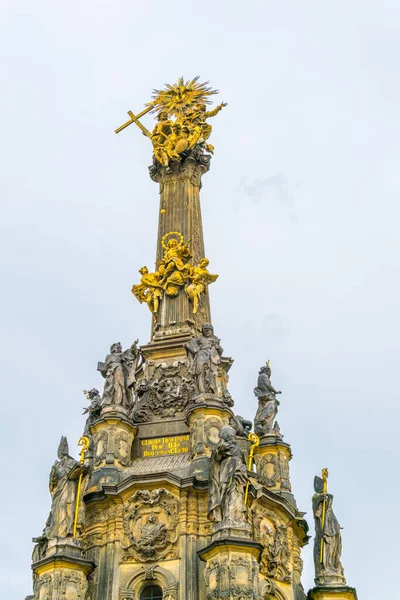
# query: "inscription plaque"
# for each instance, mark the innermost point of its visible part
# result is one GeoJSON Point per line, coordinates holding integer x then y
{"type": "Point", "coordinates": [164, 446]}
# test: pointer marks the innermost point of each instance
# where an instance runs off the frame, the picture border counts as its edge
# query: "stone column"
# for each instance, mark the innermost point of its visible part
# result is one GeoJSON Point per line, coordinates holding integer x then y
{"type": "Point", "coordinates": [62, 574]}
{"type": "Point", "coordinates": [180, 212]}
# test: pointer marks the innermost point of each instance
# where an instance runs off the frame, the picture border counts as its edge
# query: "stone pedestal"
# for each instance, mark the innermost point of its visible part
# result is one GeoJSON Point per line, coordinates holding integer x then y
{"type": "Point", "coordinates": [62, 574]}
{"type": "Point", "coordinates": [231, 569]}
{"type": "Point", "coordinates": [205, 419]}
{"type": "Point", "coordinates": [332, 593]}
{"type": "Point", "coordinates": [272, 458]}
{"type": "Point", "coordinates": [113, 435]}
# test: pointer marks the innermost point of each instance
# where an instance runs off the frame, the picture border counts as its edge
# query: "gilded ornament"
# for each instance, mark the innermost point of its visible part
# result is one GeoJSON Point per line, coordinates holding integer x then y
{"type": "Point", "coordinates": [181, 120]}
{"type": "Point", "coordinates": [173, 274]}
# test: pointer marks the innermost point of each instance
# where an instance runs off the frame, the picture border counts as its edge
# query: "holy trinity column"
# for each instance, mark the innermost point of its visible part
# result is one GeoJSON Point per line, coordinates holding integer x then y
{"type": "Point", "coordinates": [174, 496]}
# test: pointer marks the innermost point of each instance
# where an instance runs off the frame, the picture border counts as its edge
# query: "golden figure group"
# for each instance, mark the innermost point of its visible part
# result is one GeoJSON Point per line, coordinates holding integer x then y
{"type": "Point", "coordinates": [182, 120]}
{"type": "Point", "coordinates": [173, 273]}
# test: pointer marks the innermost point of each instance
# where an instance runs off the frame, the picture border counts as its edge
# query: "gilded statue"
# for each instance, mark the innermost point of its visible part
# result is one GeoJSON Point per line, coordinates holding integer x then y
{"type": "Point", "coordinates": [182, 115]}
{"type": "Point", "coordinates": [328, 539]}
{"type": "Point", "coordinates": [149, 289]}
{"type": "Point", "coordinates": [200, 278]}
{"type": "Point", "coordinates": [174, 273]}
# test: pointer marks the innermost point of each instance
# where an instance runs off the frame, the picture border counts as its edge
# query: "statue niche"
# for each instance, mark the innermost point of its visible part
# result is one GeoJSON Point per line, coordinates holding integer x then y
{"type": "Point", "coordinates": [264, 421]}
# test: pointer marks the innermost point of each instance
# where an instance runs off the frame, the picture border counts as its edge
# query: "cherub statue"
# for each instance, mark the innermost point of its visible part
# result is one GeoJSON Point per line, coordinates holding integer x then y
{"type": "Point", "coordinates": [200, 279]}
{"type": "Point", "coordinates": [149, 289]}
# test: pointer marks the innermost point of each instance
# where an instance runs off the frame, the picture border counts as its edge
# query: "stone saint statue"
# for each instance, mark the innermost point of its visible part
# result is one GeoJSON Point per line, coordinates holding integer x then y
{"type": "Point", "coordinates": [267, 403]}
{"type": "Point", "coordinates": [329, 570]}
{"type": "Point", "coordinates": [119, 370]}
{"type": "Point", "coordinates": [63, 487]}
{"type": "Point", "coordinates": [206, 358]}
{"type": "Point", "coordinates": [93, 410]}
{"type": "Point", "coordinates": [228, 477]}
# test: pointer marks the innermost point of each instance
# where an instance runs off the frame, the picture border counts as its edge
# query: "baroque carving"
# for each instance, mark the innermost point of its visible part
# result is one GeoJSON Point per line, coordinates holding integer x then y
{"type": "Point", "coordinates": [150, 520]}
{"type": "Point", "coordinates": [269, 470]}
{"type": "Point", "coordinates": [63, 483]}
{"type": "Point", "coordinates": [167, 394]}
{"type": "Point", "coordinates": [118, 370]}
{"type": "Point", "coordinates": [205, 352]}
{"type": "Point", "coordinates": [276, 537]}
{"type": "Point", "coordinates": [328, 539]}
{"type": "Point", "coordinates": [173, 274]}
{"type": "Point", "coordinates": [264, 421]}
{"type": "Point", "coordinates": [227, 480]}
{"type": "Point", "coordinates": [231, 576]}
{"type": "Point", "coordinates": [64, 583]}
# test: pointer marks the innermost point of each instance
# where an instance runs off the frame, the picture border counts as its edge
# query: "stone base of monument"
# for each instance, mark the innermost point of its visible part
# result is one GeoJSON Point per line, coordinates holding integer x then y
{"type": "Point", "coordinates": [332, 592]}
{"type": "Point", "coordinates": [63, 572]}
{"type": "Point", "coordinates": [232, 569]}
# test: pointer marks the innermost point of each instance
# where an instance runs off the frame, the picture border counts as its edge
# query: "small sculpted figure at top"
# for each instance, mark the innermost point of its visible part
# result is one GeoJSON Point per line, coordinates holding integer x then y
{"type": "Point", "coordinates": [119, 370]}
{"type": "Point", "coordinates": [267, 403]}
{"type": "Point", "coordinates": [93, 410]}
{"type": "Point", "coordinates": [206, 354]}
{"type": "Point", "coordinates": [227, 480]}
{"type": "Point", "coordinates": [328, 539]}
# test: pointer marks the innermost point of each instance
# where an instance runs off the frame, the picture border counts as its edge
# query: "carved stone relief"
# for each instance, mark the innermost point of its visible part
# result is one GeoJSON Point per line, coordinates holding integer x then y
{"type": "Point", "coordinates": [204, 433]}
{"type": "Point", "coordinates": [150, 520]}
{"type": "Point", "coordinates": [167, 393]}
{"type": "Point", "coordinates": [273, 470]}
{"type": "Point", "coordinates": [277, 539]}
{"type": "Point", "coordinates": [63, 584]}
{"type": "Point", "coordinates": [112, 446]}
{"type": "Point", "coordinates": [232, 576]}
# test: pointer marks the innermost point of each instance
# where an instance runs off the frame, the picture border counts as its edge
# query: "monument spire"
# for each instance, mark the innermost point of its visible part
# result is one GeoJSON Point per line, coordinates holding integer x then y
{"type": "Point", "coordinates": [176, 292]}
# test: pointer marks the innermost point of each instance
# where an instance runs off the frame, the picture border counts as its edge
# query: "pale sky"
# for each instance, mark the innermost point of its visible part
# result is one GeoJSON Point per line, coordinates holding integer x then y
{"type": "Point", "coordinates": [301, 216]}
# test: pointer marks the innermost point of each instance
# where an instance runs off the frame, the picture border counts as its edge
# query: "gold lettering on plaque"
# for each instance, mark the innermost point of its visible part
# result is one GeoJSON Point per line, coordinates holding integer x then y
{"type": "Point", "coordinates": [163, 446]}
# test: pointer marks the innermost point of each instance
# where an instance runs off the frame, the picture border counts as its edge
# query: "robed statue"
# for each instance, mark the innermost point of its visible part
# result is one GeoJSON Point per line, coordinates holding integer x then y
{"type": "Point", "coordinates": [63, 484]}
{"type": "Point", "coordinates": [205, 352]}
{"type": "Point", "coordinates": [119, 371]}
{"type": "Point", "coordinates": [328, 540]}
{"type": "Point", "coordinates": [264, 421]}
{"type": "Point", "coordinates": [227, 481]}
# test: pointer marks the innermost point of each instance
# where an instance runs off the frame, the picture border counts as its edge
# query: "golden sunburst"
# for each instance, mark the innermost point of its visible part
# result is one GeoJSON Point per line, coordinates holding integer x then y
{"type": "Point", "coordinates": [175, 99]}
